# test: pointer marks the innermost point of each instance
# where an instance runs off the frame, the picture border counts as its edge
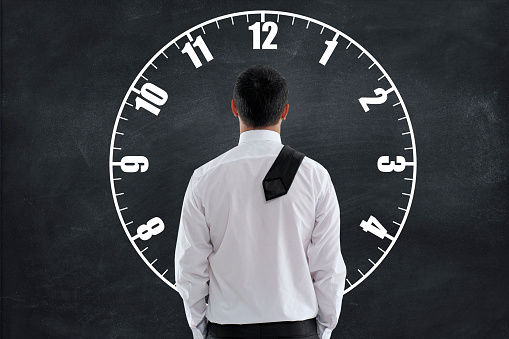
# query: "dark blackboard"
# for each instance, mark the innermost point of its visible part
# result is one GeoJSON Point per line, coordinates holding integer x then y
{"type": "Point", "coordinates": [67, 268]}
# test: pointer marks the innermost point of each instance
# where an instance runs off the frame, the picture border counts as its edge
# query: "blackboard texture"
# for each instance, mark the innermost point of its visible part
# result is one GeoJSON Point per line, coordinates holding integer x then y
{"type": "Point", "coordinates": [67, 268]}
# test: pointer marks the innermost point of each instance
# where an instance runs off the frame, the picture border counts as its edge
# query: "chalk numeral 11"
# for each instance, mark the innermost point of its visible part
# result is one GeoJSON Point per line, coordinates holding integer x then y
{"type": "Point", "coordinates": [189, 50]}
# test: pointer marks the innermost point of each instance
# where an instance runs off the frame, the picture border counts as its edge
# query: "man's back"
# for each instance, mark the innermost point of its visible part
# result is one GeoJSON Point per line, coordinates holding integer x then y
{"type": "Point", "coordinates": [259, 246]}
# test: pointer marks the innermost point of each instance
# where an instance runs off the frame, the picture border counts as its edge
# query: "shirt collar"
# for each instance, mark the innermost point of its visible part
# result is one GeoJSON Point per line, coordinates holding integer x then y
{"type": "Point", "coordinates": [259, 134]}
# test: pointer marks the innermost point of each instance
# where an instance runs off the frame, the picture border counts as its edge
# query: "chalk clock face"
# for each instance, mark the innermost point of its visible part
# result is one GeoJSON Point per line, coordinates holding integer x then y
{"type": "Point", "coordinates": [343, 106]}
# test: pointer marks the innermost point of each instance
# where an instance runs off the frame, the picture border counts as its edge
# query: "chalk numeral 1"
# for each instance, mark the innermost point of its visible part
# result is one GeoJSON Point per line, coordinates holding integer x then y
{"type": "Point", "coordinates": [331, 45]}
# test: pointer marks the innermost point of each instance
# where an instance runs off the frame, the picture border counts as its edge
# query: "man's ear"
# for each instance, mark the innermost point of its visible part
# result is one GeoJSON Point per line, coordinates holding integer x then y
{"type": "Point", "coordinates": [234, 108]}
{"type": "Point", "coordinates": [285, 111]}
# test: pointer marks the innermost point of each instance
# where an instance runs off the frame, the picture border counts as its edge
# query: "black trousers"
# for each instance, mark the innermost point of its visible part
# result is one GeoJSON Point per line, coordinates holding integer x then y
{"type": "Point", "coordinates": [305, 329]}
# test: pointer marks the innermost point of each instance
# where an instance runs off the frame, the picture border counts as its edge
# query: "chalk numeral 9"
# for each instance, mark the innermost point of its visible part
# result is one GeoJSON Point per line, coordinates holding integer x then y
{"type": "Point", "coordinates": [132, 164]}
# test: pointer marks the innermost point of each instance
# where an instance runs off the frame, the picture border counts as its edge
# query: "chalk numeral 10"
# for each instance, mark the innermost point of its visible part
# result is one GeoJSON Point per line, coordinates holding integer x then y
{"type": "Point", "coordinates": [151, 96]}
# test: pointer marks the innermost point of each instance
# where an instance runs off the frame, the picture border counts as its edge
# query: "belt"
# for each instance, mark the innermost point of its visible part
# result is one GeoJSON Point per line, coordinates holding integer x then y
{"type": "Point", "coordinates": [254, 330]}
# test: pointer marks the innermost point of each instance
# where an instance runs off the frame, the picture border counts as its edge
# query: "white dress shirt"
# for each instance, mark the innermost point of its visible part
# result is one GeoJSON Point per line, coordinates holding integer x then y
{"type": "Point", "coordinates": [267, 261]}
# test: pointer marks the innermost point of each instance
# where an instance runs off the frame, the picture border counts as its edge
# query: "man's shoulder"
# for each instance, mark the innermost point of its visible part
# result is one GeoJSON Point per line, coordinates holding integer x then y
{"type": "Point", "coordinates": [313, 165]}
{"type": "Point", "coordinates": [206, 167]}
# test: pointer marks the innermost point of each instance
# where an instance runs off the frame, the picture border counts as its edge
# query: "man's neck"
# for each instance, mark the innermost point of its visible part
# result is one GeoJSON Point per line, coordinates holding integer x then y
{"type": "Point", "coordinates": [276, 128]}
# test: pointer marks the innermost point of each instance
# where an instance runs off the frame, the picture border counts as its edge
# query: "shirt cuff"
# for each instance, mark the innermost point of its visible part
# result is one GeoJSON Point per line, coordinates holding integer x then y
{"type": "Point", "coordinates": [200, 332]}
{"type": "Point", "coordinates": [323, 332]}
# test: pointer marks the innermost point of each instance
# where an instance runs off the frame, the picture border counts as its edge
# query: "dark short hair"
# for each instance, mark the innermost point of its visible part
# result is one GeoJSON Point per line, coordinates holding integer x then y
{"type": "Point", "coordinates": [260, 95]}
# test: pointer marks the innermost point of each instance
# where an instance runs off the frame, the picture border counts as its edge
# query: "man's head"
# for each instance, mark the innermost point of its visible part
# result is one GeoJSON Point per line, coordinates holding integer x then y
{"type": "Point", "coordinates": [260, 96]}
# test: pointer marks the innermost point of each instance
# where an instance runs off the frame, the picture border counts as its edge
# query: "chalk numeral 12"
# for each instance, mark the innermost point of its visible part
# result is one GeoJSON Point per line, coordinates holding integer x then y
{"type": "Point", "coordinates": [269, 26]}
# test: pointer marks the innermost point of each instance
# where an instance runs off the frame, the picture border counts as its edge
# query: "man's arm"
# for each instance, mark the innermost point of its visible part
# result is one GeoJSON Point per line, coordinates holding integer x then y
{"type": "Point", "coordinates": [326, 263]}
{"type": "Point", "coordinates": [191, 261]}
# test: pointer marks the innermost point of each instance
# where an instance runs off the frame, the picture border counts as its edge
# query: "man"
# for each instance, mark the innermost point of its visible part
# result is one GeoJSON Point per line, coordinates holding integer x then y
{"type": "Point", "coordinates": [275, 266]}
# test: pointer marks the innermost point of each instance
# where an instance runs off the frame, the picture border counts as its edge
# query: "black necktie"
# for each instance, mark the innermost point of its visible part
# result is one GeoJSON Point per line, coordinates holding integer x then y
{"type": "Point", "coordinates": [280, 176]}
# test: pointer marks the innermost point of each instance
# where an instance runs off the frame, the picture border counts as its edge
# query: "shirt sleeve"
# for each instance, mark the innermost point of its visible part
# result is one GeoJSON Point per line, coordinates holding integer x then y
{"type": "Point", "coordinates": [191, 261]}
{"type": "Point", "coordinates": [326, 263]}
